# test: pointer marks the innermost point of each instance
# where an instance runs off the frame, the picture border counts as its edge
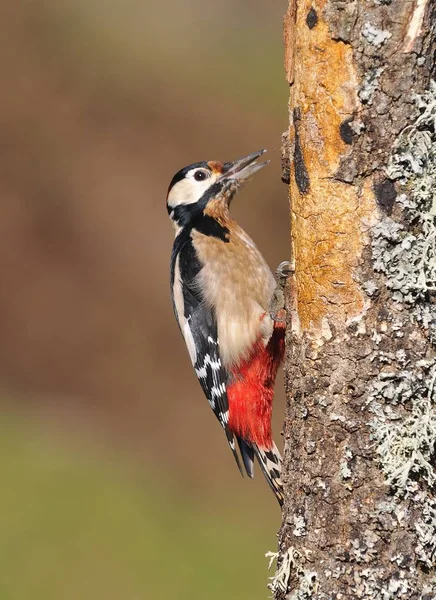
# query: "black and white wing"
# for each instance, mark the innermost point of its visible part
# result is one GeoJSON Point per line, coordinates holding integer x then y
{"type": "Point", "coordinates": [199, 329]}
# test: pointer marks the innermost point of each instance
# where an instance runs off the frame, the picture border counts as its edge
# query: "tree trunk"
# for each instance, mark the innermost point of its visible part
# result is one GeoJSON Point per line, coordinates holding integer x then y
{"type": "Point", "coordinates": [359, 519]}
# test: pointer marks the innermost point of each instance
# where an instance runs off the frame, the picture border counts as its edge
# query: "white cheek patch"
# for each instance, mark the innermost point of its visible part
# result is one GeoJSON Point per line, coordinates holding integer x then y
{"type": "Point", "coordinates": [189, 191]}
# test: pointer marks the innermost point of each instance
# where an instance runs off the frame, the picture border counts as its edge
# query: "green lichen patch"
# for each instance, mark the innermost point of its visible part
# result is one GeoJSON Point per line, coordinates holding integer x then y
{"type": "Point", "coordinates": [406, 252]}
{"type": "Point", "coordinates": [291, 563]}
{"type": "Point", "coordinates": [403, 395]}
{"type": "Point", "coordinates": [369, 84]}
{"type": "Point", "coordinates": [406, 446]}
{"type": "Point", "coordinates": [425, 528]}
{"type": "Point", "coordinates": [374, 35]}
{"type": "Point", "coordinates": [406, 450]}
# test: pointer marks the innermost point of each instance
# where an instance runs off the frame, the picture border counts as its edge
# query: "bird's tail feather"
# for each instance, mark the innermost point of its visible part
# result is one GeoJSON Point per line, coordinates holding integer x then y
{"type": "Point", "coordinates": [231, 442]}
{"type": "Point", "coordinates": [270, 462]}
{"type": "Point", "coordinates": [247, 454]}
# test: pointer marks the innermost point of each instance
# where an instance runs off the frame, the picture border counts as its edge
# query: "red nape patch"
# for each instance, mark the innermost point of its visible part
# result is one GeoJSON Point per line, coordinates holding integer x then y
{"type": "Point", "coordinates": [215, 166]}
{"type": "Point", "coordinates": [252, 393]}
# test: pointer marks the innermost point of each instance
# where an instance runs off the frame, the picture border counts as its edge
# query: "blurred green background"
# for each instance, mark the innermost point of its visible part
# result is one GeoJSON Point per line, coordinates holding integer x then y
{"type": "Point", "coordinates": [117, 482]}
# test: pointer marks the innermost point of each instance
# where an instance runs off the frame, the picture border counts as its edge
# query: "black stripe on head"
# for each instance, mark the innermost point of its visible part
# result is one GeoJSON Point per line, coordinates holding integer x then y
{"type": "Point", "coordinates": [183, 172]}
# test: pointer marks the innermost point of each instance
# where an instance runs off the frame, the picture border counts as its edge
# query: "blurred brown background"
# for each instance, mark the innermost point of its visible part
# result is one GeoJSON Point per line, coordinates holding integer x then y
{"type": "Point", "coordinates": [102, 101]}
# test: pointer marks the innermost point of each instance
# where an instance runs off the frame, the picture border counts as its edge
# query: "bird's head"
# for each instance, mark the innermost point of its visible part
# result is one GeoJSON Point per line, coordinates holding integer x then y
{"type": "Point", "coordinates": [193, 187]}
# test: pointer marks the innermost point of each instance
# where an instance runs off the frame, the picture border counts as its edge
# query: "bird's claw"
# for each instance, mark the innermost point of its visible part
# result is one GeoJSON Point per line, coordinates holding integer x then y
{"type": "Point", "coordinates": [284, 269]}
{"type": "Point", "coordinates": [277, 303]}
{"type": "Point", "coordinates": [275, 318]}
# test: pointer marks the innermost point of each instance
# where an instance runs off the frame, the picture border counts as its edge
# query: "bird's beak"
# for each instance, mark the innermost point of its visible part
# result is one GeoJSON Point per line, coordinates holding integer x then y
{"type": "Point", "coordinates": [244, 167]}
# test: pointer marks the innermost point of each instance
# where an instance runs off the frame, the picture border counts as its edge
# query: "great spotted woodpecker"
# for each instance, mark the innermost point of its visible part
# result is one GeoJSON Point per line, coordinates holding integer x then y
{"type": "Point", "coordinates": [223, 295]}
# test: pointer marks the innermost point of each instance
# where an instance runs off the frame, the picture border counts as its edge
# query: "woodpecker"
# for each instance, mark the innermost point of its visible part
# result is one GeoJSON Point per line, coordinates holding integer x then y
{"type": "Point", "coordinates": [225, 301]}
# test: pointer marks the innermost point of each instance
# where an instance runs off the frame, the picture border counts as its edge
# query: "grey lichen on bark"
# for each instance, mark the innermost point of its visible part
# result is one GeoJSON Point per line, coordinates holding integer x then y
{"type": "Point", "coordinates": [359, 519]}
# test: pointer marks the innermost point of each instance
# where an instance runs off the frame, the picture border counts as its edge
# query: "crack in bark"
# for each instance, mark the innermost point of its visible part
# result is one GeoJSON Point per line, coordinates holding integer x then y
{"type": "Point", "coordinates": [300, 170]}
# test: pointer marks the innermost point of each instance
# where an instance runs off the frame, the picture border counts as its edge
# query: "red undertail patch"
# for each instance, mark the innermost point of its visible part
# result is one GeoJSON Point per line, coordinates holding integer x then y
{"type": "Point", "coordinates": [252, 391]}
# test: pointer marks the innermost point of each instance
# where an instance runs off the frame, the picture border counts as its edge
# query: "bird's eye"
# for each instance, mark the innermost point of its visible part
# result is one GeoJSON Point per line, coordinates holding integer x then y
{"type": "Point", "coordinates": [200, 176]}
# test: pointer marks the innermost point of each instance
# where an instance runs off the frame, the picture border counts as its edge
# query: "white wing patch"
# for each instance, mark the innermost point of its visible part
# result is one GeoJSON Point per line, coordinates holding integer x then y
{"type": "Point", "coordinates": [180, 310]}
{"type": "Point", "coordinates": [189, 340]}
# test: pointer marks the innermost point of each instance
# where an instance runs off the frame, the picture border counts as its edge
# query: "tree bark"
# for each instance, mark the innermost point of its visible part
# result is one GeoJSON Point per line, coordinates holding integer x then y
{"type": "Point", "coordinates": [359, 520]}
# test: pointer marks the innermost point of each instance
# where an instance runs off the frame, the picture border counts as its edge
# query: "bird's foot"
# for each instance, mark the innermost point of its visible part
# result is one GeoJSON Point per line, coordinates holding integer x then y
{"type": "Point", "coordinates": [283, 271]}
{"type": "Point", "coordinates": [277, 305]}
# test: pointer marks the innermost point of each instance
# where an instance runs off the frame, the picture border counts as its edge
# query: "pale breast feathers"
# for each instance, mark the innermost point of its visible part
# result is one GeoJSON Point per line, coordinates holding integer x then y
{"type": "Point", "coordinates": [238, 285]}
